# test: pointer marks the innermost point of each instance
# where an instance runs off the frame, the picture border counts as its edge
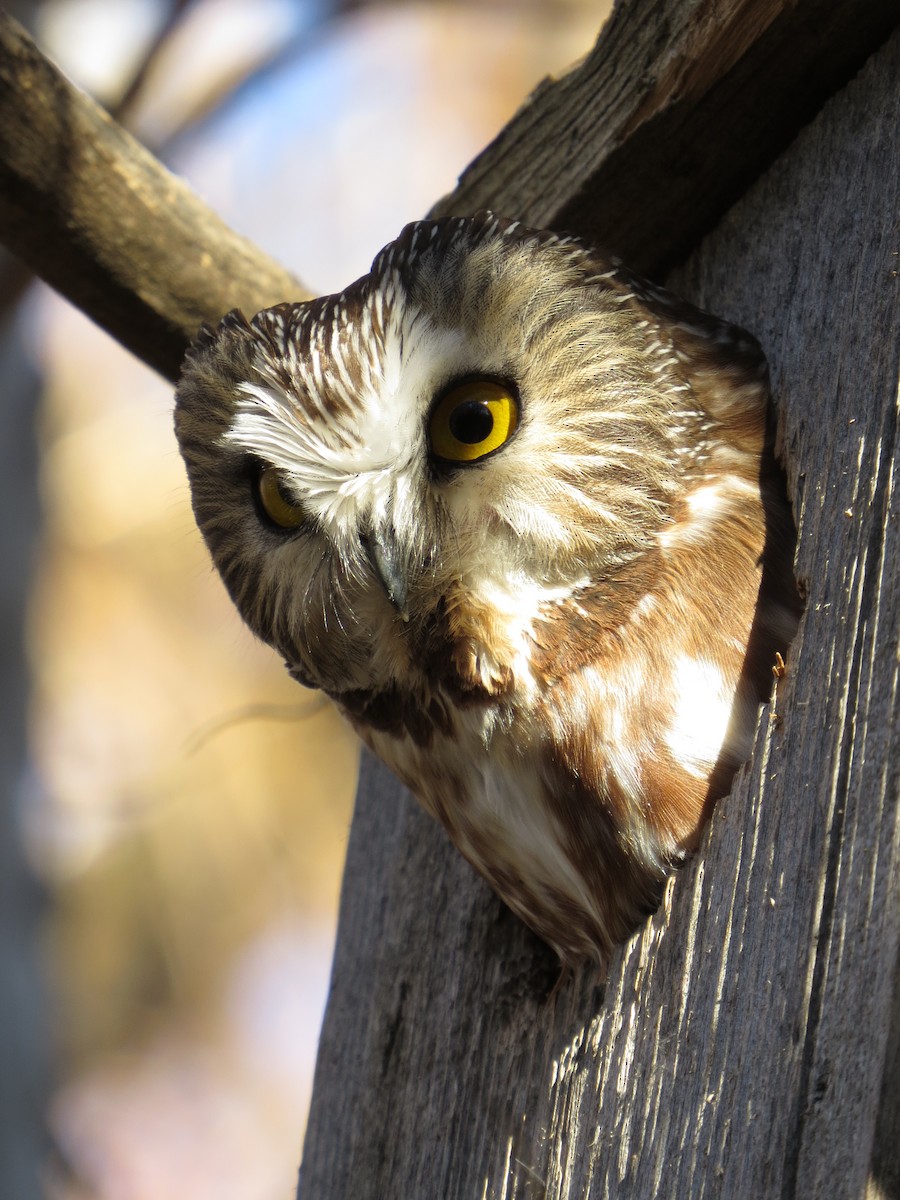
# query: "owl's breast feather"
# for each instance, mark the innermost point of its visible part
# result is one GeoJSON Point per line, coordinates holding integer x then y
{"type": "Point", "coordinates": [573, 740]}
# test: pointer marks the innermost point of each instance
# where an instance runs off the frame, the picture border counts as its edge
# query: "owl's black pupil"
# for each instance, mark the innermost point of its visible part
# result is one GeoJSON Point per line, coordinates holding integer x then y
{"type": "Point", "coordinates": [471, 422]}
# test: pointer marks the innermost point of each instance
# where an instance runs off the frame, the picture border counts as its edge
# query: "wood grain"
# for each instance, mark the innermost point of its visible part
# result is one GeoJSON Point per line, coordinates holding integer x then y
{"type": "Point", "coordinates": [738, 1048]}
{"type": "Point", "coordinates": [678, 108]}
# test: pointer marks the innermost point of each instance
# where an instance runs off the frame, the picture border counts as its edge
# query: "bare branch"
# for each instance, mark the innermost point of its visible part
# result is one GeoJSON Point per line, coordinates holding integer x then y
{"type": "Point", "coordinates": [97, 217]}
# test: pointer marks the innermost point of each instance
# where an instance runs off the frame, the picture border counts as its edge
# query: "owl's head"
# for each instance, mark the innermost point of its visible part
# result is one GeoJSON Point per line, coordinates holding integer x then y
{"type": "Point", "coordinates": [491, 413]}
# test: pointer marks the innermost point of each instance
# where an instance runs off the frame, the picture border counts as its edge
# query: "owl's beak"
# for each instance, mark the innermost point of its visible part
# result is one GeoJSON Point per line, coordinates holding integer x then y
{"type": "Point", "coordinates": [381, 550]}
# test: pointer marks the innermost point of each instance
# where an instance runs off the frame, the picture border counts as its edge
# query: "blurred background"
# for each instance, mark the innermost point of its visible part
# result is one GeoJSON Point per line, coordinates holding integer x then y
{"type": "Point", "coordinates": [175, 809]}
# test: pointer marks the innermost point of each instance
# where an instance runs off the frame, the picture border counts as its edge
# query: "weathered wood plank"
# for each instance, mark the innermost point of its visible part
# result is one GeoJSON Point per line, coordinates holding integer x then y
{"type": "Point", "coordinates": [740, 1046]}
{"type": "Point", "coordinates": [678, 108]}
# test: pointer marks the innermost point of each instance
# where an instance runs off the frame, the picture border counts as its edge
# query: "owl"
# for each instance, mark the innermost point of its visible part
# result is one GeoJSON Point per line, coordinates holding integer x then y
{"type": "Point", "coordinates": [517, 512]}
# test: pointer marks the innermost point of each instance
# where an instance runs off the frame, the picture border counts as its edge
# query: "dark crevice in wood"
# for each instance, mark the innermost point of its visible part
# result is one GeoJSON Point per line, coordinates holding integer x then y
{"type": "Point", "coordinates": [688, 164]}
{"type": "Point", "coordinates": [886, 1148]}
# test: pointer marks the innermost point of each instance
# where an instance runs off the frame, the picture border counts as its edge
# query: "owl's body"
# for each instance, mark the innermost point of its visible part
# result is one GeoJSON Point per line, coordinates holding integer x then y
{"type": "Point", "coordinates": [508, 506]}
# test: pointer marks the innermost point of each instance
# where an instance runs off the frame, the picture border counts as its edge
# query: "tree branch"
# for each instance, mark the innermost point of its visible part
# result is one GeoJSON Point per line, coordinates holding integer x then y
{"type": "Point", "coordinates": [102, 221]}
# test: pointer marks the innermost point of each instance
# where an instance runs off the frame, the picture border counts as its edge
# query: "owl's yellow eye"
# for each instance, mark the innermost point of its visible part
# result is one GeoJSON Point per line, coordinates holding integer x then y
{"type": "Point", "coordinates": [472, 419]}
{"type": "Point", "coordinates": [276, 504]}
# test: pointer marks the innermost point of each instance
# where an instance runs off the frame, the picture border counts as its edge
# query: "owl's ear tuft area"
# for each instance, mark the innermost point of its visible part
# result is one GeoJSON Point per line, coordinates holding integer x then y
{"type": "Point", "coordinates": [208, 335]}
{"type": "Point", "coordinates": [234, 322]}
{"type": "Point", "coordinates": [215, 364]}
{"type": "Point", "coordinates": [203, 339]}
{"type": "Point", "coordinates": [298, 674]}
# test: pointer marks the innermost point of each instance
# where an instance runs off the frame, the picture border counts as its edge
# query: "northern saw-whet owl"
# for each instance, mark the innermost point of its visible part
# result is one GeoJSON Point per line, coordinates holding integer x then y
{"type": "Point", "coordinates": [517, 512]}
